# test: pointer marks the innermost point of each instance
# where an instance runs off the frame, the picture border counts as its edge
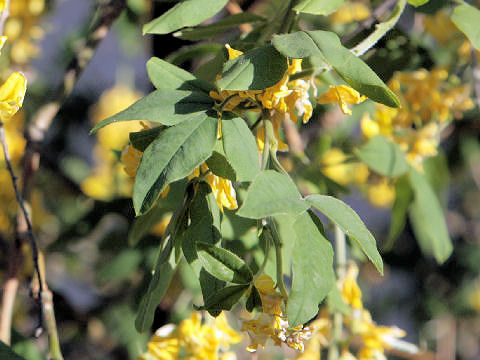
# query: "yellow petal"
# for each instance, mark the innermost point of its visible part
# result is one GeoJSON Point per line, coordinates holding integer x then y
{"type": "Point", "coordinates": [232, 53]}
{"type": "Point", "coordinates": [12, 93]}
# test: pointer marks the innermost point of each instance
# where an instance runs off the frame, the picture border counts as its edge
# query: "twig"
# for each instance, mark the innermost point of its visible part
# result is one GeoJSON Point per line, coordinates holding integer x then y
{"type": "Point", "coordinates": [476, 75]}
{"type": "Point", "coordinates": [109, 11]}
{"type": "Point", "coordinates": [380, 30]}
{"type": "Point", "coordinates": [365, 24]}
{"type": "Point", "coordinates": [340, 267]}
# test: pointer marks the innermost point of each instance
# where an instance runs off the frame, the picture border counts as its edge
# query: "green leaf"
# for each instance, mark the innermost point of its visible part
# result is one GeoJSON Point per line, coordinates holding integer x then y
{"type": "Point", "coordinates": [166, 76]}
{"type": "Point", "coordinates": [335, 302]}
{"type": "Point", "coordinates": [318, 7]}
{"type": "Point", "coordinates": [352, 69]}
{"type": "Point", "coordinates": [157, 287]}
{"type": "Point", "coordinates": [220, 166]}
{"type": "Point", "coordinates": [343, 216]}
{"type": "Point", "coordinates": [240, 149]}
{"type": "Point", "coordinates": [141, 139]}
{"type": "Point", "coordinates": [428, 220]}
{"type": "Point", "coordinates": [7, 353]}
{"type": "Point", "coordinates": [204, 225]}
{"type": "Point", "coordinates": [210, 285]}
{"type": "Point", "coordinates": [403, 199]}
{"type": "Point", "coordinates": [417, 2]}
{"type": "Point", "coordinates": [256, 69]}
{"type": "Point", "coordinates": [173, 155]}
{"type": "Point", "coordinates": [254, 300]}
{"type": "Point", "coordinates": [167, 107]}
{"type": "Point", "coordinates": [312, 267]}
{"type": "Point", "coordinates": [272, 193]}
{"type": "Point", "coordinates": [224, 299]}
{"type": "Point", "coordinates": [467, 19]}
{"type": "Point", "coordinates": [185, 13]}
{"type": "Point", "coordinates": [383, 156]}
{"type": "Point", "coordinates": [223, 264]}
{"type": "Point", "coordinates": [219, 27]}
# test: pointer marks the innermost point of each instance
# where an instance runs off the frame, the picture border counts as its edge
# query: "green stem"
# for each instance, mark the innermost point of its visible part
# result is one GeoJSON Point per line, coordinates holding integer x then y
{"type": "Point", "coordinates": [272, 233]}
{"type": "Point", "coordinates": [340, 266]}
{"type": "Point", "coordinates": [380, 30]}
{"type": "Point", "coordinates": [268, 136]}
{"type": "Point", "coordinates": [265, 259]}
{"type": "Point", "coordinates": [289, 18]}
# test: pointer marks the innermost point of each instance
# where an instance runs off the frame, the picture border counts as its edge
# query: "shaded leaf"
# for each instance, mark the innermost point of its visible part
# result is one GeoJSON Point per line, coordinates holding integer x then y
{"type": "Point", "coordinates": [272, 193]}
{"type": "Point", "coordinates": [224, 299]}
{"type": "Point", "coordinates": [256, 69]}
{"type": "Point", "coordinates": [343, 216]}
{"type": "Point", "coordinates": [428, 220]}
{"type": "Point", "coordinates": [185, 13]}
{"type": "Point", "coordinates": [141, 139]}
{"type": "Point", "coordinates": [7, 353]}
{"type": "Point", "coordinates": [254, 300]}
{"type": "Point", "coordinates": [312, 267]}
{"type": "Point", "coordinates": [220, 166]}
{"type": "Point", "coordinates": [223, 264]}
{"type": "Point", "coordinates": [218, 27]}
{"type": "Point", "coordinates": [162, 275]}
{"type": "Point", "coordinates": [210, 285]}
{"type": "Point", "coordinates": [403, 199]}
{"type": "Point", "coordinates": [417, 2]}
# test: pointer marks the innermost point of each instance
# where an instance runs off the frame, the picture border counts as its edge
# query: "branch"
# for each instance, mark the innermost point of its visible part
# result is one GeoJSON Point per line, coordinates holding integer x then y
{"type": "Point", "coordinates": [476, 75]}
{"type": "Point", "coordinates": [380, 30]}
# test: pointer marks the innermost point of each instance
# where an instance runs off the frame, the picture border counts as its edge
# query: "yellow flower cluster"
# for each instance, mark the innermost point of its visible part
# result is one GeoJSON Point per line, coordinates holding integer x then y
{"type": "Point", "coordinates": [192, 340]}
{"type": "Point", "coordinates": [336, 166]}
{"type": "Point", "coordinates": [284, 100]}
{"type": "Point", "coordinates": [12, 93]}
{"type": "Point", "coordinates": [271, 323]}
{"type": "Point", "coordinates": [108, 178]}
{"type": "Point", "coordinates": [416, 126]}
{"type": "Point", "coordinates": [350, 11]}
{"type": "Point", "coordinates": [222, 188]}
{"type": "Point", "coordinates": [22, 29]}
{"type": "Point", "coordinates": [375, 339]}
{"type": "Point", "coordinates": [444, 31]}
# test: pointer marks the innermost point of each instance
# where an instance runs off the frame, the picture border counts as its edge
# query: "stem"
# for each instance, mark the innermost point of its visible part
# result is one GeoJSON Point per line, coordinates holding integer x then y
{"type": "Point", "coordinates": [271, 232]}
{"type": "Point", "coordinates": [381, 30]}
{"type": "Point", "coordinates": [340, 267]}
{"type": "Point", "coordinates": [476, 75]}
{"type": "Point", "coordinates": [289, 18]}
{"type": "Point", "coordinates": [265, 259]}
{"type": "Point", "coordinates": [267, 133]}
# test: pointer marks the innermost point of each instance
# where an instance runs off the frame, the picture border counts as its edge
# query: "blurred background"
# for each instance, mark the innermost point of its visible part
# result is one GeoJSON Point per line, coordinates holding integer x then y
{"type": "Point", "coordinates": [82, 212]}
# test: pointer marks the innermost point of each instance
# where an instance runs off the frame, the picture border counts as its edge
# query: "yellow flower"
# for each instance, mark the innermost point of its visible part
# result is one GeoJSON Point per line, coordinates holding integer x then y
{"type": "Point", "coordinates": [194, 340]}
{"type": "Point", "coordinates": [112, 101]}
{"type": "Point", "coordinates": [381, 193]}
{"type": "Point", "coordinates": [222, 189]}
{"type": "Point", "coordinates": [320, 329]}
{"type": "Point", "coordinates": [12, 93]}
{"type": "Point", "coordinates": [2, 5]}
{"type": "Point", "coordinates": [351, 293]}
{"type": "Point", "coordinates": [343, 95]}
{"type": "Point", "coordinates": [349, 12]}
{"type": "Point", "coordinates": [271, 323]}
{"type": "Point", "coordinates": [334, 166]}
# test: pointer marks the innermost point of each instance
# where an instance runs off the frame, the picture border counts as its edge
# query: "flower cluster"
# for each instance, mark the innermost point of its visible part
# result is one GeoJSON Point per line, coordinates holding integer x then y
{"type": "Point", "coordinates": [374, 338]}
{"type": "Point", "coordinates": [287, 99]}
{"type": "Point", "coordinates": [22, 29]}
{"type": "Point", "coordinates": [350, 11]}
{"type": "Point", "coordinates": [192, 340]}
{"type": "Point", "coordinates": [417, 125]}
{"type": "Point", "coordinates": [271, 323]}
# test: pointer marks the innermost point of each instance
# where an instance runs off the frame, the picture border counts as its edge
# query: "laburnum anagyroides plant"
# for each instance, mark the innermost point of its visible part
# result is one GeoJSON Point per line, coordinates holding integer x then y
{"type": "Point", "coordinates": [214, 138]}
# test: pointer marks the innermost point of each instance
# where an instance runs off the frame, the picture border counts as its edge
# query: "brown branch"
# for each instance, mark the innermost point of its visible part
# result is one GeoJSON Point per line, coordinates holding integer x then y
{"type": "Point", "coordinates": [367, 23]}
{"type": "Point", "coordinates": [476, 75]}
{"type": "Point", "coordinates": [109, 10]}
